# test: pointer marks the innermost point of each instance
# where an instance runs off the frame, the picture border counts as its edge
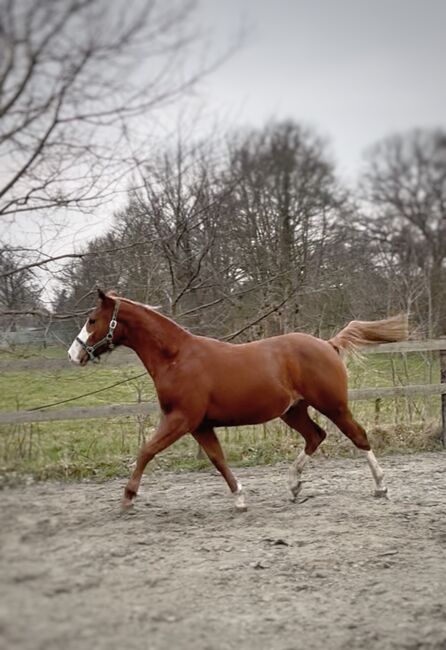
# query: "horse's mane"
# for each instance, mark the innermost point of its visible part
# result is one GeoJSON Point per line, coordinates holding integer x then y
{"type": "Point", "coordinates": [149, 309]}
{"type": "Point", "coordinates": [156, 308]}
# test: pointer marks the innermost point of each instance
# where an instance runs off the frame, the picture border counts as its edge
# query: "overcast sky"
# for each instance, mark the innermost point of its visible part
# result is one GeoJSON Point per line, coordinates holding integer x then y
{"type": "Point", "coordinates": [354, 69]}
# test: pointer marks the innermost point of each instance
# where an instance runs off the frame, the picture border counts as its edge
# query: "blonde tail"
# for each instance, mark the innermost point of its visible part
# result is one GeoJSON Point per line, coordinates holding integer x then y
{"type": "Point", "coordinates": [360, 333]}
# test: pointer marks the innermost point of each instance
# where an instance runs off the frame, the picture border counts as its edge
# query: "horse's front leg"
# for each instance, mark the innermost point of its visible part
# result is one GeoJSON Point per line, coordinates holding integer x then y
{"type": "Point", "coordinates": [208, 440]}
{"type": "Point", "coordinates": [172, 427]}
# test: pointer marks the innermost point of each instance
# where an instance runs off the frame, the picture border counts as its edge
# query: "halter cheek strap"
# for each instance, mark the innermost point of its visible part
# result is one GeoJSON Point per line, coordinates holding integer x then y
{"type": "Point", "coordinates": [108, 338]}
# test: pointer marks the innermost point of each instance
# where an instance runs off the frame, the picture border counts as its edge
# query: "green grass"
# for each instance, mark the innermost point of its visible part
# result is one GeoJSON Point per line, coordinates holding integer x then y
{"type": "Point", "coordinates": [30, 351]}
{"type": "Point", "coordinates": [30, 389]}
{"type": "Point", "coordinates": [107, 447]}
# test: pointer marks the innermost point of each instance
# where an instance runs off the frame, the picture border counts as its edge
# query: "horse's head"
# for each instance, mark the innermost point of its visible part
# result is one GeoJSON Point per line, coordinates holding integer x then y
{"type": "Point", "coordinates": [101, 332]}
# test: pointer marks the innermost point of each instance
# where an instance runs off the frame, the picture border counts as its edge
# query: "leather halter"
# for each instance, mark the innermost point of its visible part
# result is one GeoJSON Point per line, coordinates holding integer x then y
{"type": "Point", "coordinates": [108, 338]}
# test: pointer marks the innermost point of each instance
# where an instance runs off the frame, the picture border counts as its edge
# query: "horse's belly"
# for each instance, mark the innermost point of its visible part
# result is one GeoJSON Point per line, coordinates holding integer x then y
{"type": "Point", "coordinates": [240, 409]}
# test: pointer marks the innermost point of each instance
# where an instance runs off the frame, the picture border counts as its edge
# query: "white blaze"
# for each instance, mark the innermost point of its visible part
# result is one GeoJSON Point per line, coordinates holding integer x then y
{"type": "Point", "coordinates": [75, 349]}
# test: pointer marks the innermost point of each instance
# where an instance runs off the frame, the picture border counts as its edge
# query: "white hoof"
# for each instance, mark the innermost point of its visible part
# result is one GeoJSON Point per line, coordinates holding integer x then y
{"type": "Point", "coordinates": [295, 488]}
{"type": "Point", "coordinates": [381, 493]}
{"type": "Point", "coordinates": [127, 504]}
{"type": "Point", "coordinates": [239, 499]}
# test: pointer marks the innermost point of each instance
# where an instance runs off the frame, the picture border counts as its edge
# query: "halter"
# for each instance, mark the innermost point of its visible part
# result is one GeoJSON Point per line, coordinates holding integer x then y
{"type": "Point", "coordinates": [108, 338]}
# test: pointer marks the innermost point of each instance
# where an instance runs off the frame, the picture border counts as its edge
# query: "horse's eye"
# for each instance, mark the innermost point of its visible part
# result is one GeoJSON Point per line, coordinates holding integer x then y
{"type": "Point", "coordinates": [91, 321]}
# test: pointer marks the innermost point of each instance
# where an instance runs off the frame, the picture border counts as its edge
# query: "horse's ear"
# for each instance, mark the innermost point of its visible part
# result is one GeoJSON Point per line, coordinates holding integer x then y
{"type": "Point", "coordinates": [101, 295]}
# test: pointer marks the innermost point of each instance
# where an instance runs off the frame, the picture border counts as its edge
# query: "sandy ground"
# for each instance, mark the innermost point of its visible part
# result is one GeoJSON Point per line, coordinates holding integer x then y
{"type": "Point", "coordinates": [340, 569]}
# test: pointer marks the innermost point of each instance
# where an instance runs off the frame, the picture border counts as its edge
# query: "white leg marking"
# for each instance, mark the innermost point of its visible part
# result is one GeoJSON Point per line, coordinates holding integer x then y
{"type": "Point", "coordinates": [239, 499]}
{"type": "Point", "coordinates": [295, 473]}
{"type": "Point", "coordinates": [75, 349]}
{"type": "Point", "coordinates": [378, 474]}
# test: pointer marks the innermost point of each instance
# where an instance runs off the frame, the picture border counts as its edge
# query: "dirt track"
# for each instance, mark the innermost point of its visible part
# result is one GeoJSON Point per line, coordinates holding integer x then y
{"type": "Point", "coordinates": [338, 570]}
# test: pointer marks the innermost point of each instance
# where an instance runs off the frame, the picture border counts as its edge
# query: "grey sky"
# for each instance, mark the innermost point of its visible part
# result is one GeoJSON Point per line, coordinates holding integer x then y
{"type": "Point", "coordinates": [355, 69]}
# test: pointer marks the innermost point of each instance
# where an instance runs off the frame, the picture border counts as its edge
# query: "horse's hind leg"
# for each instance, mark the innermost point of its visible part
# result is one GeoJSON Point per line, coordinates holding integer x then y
{"type": "Point", "coordinates": [298, 419]}
{"type": "Point", "coordinates": [208, 440]}
{"type": "Point", "coordinates": [345, 422]}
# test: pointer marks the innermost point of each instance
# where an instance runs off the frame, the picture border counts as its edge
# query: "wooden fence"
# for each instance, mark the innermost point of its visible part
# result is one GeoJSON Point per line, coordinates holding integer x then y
{"type": "Point", "coordinates": [145, 408]}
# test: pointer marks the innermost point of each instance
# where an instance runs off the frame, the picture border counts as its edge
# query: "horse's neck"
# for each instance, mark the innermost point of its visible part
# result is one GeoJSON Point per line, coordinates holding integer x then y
{"type": "Point", "coordinates": [155, 338]}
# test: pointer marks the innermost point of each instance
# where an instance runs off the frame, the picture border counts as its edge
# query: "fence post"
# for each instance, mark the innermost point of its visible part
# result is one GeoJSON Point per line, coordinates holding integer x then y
{"type": "Point", "coordinates": [443, 396]}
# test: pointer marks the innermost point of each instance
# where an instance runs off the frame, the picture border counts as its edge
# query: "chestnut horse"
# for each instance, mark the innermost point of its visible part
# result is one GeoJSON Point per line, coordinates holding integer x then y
{"type": "Point", "coordinates": [203, 383]}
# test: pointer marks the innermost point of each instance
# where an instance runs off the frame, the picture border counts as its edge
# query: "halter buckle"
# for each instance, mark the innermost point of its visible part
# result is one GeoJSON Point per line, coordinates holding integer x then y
{"type": "Point", "coordinates": [89, 349]}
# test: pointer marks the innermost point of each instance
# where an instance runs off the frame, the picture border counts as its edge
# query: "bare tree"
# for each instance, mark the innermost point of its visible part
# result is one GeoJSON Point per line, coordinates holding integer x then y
{"type": "Point", "coordinates": [405, 185]}
{"type": "Point", "coordinates": [18, 289]}
{"type": "Point", "coordinates": [179, 214]}
{"type": "Point", "coordinates": [78, 82]}
{"type": "Point", "coordinates": [74, 76]}
{"type": "Point", "coordinates": [287, 200]}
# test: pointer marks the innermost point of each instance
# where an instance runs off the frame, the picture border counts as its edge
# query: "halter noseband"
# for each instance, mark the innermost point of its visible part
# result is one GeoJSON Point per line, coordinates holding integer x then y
{"type": "Point", "coordinates": [108, 338]}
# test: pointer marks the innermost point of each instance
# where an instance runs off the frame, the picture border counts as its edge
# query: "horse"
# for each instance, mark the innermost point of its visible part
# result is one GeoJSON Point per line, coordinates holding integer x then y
{"type": "Point", "coordinates": [203, 383]}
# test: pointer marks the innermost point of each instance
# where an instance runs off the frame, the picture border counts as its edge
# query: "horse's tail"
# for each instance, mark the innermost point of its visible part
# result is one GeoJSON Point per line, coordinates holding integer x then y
{"type": "Point", "coordinates": [360, 333]}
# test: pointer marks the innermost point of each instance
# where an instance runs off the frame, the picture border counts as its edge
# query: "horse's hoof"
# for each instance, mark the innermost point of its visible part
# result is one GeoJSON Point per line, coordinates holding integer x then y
{"type": "Point", "coordinates": [292, 494]}
{"type": "Point", "coordinates": [294, 491]}
{"type": "Point", "coordinates": [239, 502]}
{"type": "Point", "coordinates": [127, 504]}
{"type": "Point", "coordinates": [381, 493]}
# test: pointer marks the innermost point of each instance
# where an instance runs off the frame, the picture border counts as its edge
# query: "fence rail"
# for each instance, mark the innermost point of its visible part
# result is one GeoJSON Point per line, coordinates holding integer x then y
{"type": "Point", "coordinates": [119, 359]}
{"type": "Point", "coordinates": [145, 408]}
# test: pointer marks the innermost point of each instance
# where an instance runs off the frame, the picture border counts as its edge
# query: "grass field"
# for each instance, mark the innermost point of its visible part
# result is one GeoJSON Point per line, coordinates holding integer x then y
{"type": "Point", "coordinates": [107, 447]}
